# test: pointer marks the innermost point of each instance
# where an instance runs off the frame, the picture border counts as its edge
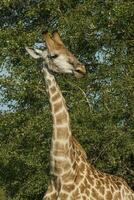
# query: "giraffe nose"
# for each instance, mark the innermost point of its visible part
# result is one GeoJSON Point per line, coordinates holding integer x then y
{"type": "Point", "coordinates": [80, 71]}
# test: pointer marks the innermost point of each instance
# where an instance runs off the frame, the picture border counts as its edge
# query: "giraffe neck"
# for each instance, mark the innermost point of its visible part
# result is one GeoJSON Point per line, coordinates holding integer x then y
{"type": "Point", "coordinates": [61, 146]}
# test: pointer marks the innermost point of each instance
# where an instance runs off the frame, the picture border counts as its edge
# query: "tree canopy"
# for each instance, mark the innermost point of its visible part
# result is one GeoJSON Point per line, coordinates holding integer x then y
{"type": "Point", "coordinates": [101, 105]}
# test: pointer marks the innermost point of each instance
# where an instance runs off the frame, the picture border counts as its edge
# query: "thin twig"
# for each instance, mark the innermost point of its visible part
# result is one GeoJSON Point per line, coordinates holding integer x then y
{"type": "Point", "coordinates": [41, 90]}
{"type": "Point", "coordinates": [105, 148]}
{"type": "Point", "coordinates": [84, 94]}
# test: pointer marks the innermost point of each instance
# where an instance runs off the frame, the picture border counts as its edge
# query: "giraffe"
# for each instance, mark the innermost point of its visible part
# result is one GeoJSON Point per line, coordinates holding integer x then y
{"type": "Point", "coordinates": [73, 177]}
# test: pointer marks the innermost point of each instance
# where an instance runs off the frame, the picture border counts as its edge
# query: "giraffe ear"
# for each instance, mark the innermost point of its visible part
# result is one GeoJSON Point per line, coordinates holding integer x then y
{"type": "Point", "coordinates": [49, 41]}
{"type": "Point", "coordinates": [33, 53]}
{"type": "Point", "coordinates": [56, 37]}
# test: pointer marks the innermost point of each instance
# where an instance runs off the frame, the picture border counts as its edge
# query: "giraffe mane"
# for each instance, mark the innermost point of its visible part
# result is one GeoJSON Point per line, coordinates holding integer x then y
{"type": "Point", "coordinates": [78, 146]}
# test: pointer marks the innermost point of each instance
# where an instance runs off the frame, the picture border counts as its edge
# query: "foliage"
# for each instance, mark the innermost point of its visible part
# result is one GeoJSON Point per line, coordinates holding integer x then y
{"type": "Point", "coordinates": [101, 104]}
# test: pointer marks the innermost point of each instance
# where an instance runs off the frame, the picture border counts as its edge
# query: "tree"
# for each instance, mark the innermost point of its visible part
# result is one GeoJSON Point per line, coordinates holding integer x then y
{"type": "Point", "coordinates": [101, 104]}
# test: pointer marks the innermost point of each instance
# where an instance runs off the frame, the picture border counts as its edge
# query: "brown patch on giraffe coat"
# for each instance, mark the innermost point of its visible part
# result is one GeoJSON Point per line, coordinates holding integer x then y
{"type": "Point", "coordinates": [61, 118]}
{"type": "Point", "coordinates": [52, 89]}
{"type": "Point", "coordinates": [69, 187]}
{"type": "Point", "coordinates": [79, 177]}
{"type": "Point", "coordinates": [50, 188]}
{"type": "Point", "coordinates": [84, 198]}
{"type": "Point", "coordinates": [98, 184]}
{"type": "Point", "coordinates": [82, 166]}
{"type": "Point", "coordinates": [68, 176]}
{"type": "Point", "coordinates": [62, 132]}
{"type": "Point", "coordinates": [53, 196]}
{"type": "Point", "coordinates": [82, 188]}
{"type": "Point", "coordinates": [57, 170]}
{"type": "Point", "coordinates": [102, 190]}
{"type": "Point", "coordinates": [96, 195]}
{"type": "Point", "coordinates": [100, 187]}
{"type": "Point", "coordinates": [102, 181]}
{"type": "Point", "coordinates": [95, 176]}
{"type": "Point", "coordinates": [72, 157]}
{"type": "Point", "coordinates": [63, 165]}
{"type": "Point", "coordinates": [63, 196]}
{"type": "Point", "coordinates": [112, 189]}
{"type": "Point", "coordinates": [85, 182]}
{"type": "Point", "coordinates": [88, 191]}
{"type": "Point", "coordinates": [55, 97]}
{"type": "Point", "coordinates": [59, 153]}
{"type": "Point", "coordinates": [107, 182]}
{"type": "Point", "coordinates": [66, 166]}
{"type": "Point", "coordinates": [57, 106]}
{"type": "Point", "coordinates": [59, 146]}
{"type": "Point", "coordinates": [117, 196]}
{"type": "Point", "coordinates": [91, 181]}
{"type": "Point", "coordinates": [109, 195]}
{"type": "Point", "coordinates": [76, 194]}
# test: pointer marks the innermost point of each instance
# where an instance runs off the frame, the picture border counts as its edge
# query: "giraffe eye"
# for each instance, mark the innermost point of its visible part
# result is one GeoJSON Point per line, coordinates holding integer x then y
{"type": "Point", "coordinates": [52, 56]}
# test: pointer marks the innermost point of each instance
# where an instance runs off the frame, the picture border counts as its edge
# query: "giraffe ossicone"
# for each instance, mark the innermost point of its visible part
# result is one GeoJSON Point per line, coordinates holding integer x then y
{"type": "Point", "coordinates": [73, 177]}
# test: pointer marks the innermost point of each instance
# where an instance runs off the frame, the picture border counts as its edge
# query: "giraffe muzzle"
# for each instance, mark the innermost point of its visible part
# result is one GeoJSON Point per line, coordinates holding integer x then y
{"type": "Point", "coordinates": [80, 71]}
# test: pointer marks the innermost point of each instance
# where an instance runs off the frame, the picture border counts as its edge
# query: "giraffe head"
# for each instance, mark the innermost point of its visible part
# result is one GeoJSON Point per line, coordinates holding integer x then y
{"type": "Point", "coordinates": [57, 56]}
{"type": "Point", "coordinates": [61, 56]}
